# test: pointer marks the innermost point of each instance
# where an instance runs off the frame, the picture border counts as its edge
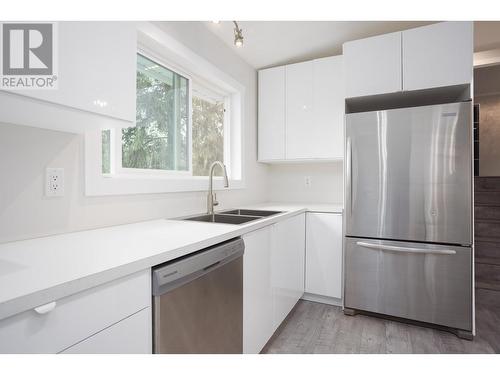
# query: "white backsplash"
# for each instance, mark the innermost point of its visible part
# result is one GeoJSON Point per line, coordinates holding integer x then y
{"type": "Point", "coordinates": [287, 182]}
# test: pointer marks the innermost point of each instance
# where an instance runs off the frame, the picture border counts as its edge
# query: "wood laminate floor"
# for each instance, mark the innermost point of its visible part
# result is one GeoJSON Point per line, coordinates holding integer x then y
{"type": "Point", "coordinates": [317, 328]}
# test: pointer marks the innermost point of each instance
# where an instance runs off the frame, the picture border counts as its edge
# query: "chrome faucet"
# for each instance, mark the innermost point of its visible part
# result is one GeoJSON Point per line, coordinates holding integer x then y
{"type": "Point", "coordinates": [212, 197]}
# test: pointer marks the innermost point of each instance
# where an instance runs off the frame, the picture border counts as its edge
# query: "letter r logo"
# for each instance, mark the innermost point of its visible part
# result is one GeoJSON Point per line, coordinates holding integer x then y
{"type": "Point", "coordinates": [27, 49]}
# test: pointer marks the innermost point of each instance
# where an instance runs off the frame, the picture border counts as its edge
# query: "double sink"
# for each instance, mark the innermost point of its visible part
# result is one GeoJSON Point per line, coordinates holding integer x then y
{"type": "Point", "coordinates": [236, 216]}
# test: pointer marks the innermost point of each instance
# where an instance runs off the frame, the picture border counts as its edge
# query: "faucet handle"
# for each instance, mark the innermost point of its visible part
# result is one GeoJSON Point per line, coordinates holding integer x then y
{"type": "Point", "coordinates": [215, 203]}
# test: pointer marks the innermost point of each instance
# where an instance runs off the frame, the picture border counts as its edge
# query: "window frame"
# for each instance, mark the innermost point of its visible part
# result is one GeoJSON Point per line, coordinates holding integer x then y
{"type": "Point", "coordinates": [155, 42]}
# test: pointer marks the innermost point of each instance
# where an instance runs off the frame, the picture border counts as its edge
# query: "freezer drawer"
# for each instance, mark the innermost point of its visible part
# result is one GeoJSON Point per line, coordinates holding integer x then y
{"type": "Point", "coordinates": [423, 282]}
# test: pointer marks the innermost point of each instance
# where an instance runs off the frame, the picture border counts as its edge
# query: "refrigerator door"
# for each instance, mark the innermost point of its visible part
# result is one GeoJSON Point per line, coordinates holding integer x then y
{"type": "Point", "coordinates": [408, 174]}
{"type": "Point", "coordinates": [423, 282]}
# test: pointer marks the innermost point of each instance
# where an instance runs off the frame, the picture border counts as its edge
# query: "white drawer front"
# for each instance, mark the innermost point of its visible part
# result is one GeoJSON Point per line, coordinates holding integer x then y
{"type": "Point", "coordinates": [129, 336]}
{"type": "Point", "coordinates": [75, 317]}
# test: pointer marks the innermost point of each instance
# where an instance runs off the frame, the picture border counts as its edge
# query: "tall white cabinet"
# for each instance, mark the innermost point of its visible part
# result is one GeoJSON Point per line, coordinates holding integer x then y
{"type": "Point", "coordinates": [427, 57]}
{"type": "Point", "coordinates": [301, 111]}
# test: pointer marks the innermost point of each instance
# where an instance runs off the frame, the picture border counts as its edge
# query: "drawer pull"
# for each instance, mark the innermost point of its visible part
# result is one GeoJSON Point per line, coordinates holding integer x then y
{"type": "Point", "coordinates": [44, 309]}
{"type": "Point", "coordinates": [402, 249]}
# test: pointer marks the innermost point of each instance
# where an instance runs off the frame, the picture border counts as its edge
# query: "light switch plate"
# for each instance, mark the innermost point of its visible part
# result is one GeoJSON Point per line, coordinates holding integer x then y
{"type": "Point", "coordinates": [54, 182]}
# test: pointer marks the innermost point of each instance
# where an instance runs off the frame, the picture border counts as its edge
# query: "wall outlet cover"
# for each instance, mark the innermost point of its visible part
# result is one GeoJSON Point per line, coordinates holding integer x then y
{"type": "Point", "coordinates": [54, 182]}
{"type": "Point", "coordinates": [307, 181]}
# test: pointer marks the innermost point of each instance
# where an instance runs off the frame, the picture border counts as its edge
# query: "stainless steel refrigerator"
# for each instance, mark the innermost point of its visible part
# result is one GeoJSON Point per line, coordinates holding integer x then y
{"type": "Point", "coordinates": [408, 214]}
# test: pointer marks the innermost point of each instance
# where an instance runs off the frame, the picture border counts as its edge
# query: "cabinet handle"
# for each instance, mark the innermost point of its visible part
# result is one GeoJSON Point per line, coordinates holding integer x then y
{"type": "Point", "coordinates": [44, 309]}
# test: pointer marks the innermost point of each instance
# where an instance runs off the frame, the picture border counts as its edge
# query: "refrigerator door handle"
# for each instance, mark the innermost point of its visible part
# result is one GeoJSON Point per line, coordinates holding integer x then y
{"type": "Point", "coordinates": [401, 249]}
{"type": "Point", "coordinates": [349, 174]}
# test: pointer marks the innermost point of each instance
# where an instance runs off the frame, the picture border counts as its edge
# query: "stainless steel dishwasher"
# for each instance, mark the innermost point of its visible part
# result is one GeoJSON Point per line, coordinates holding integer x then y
{"type": "Point", "coordinates": [198, 301]}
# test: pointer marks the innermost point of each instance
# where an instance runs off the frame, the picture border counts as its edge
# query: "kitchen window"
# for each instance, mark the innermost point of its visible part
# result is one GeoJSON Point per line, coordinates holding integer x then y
{"type": "Point", "coordinates": [188, 114]}
{"type": "Point", "coordinates": [178, 128]}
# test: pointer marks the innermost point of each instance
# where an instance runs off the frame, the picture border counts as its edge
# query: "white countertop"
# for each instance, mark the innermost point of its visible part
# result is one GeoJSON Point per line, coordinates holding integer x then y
{"type": "Point", "coordinates": [37, 271]}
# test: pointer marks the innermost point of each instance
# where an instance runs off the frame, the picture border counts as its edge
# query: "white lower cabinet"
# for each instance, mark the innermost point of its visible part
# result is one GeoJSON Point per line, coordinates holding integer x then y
{"type": "Point", "coordinates": [287, 266]}
{"type": "Point", "coordinates": [63, 323]}
{"type": "Point", "coordinates": [257, 293]}
{"type": "Point", "coordinates": [125, 337]}
{"type": "Point", "coordinates": [273, 279]}
{"type": "Point", "coordinates": [324, 254]}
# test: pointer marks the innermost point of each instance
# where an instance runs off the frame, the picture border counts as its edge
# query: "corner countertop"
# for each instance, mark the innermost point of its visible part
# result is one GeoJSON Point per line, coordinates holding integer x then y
{"type": "Point", "coordinates": [37, 271]}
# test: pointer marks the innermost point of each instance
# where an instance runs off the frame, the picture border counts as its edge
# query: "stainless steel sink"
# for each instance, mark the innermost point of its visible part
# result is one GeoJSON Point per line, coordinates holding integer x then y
{"type": "Point", "coordinates": [225, 219]}
{"type": "Point", "coordinates": [236, 216]}
{"type": "Point", "coordinates": [260, 213]}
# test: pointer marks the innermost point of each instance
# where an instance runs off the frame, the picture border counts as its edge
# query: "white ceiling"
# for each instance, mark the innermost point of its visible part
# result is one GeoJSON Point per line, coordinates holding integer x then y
{"type": "Point", "coordinates": [271, 43]}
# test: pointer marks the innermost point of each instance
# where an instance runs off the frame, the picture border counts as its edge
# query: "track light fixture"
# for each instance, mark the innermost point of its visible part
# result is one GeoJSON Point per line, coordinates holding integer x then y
{"type": "Point", "coordinates": [238, 35]}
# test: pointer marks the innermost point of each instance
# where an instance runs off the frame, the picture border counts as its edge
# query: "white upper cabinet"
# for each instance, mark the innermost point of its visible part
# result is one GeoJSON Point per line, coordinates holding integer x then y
{"type": "Point", "coordinates": [438, 55]}
{"type": "Point", "coordinates": [329, 106]}
{"type": "Point", "coordinates": [373, 65]}
{"type": "Point", "coordinates": [97, 65]}
{"type": "Point", "coordinates": [301, 111]}
{"type": "Point", "coordinates": [96, 76]}
{"type": "Point", "coordinates": [300, 132]}
{"type": "Point", "coordinates": [272, 114]}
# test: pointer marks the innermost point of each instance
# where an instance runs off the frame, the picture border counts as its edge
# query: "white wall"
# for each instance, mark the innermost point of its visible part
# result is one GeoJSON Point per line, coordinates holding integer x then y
{"type": "Point", "coordinates": [287, 183]}
{"type": "Point", "coordinates": [26, 152]}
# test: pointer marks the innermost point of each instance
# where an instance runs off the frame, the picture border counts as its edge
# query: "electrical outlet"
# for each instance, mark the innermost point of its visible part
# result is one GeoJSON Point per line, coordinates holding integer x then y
{"type": "Point", "coordinates": [307, 181]}
{"type": "Point", "coordinates": [54, 182]}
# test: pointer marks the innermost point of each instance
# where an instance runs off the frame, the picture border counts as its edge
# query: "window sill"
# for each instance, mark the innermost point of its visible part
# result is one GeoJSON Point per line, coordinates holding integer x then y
{"type": "Point", "coordinates": [136, 184]}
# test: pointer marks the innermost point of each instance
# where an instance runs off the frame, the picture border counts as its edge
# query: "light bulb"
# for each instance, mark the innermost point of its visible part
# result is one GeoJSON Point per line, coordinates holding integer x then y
{"type": "Point", "coordinates": [238, 35]}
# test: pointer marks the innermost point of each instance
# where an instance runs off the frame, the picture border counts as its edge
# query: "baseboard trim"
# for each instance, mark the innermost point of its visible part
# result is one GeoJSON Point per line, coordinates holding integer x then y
{"type": "Point", "coordinates": [322, 299]}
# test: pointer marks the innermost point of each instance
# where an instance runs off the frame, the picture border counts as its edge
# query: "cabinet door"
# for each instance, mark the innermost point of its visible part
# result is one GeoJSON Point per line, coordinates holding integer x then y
{"type": "Point", "coordinates": [272, 114]}
{"type": "Point", "coordinates": [257, 292]}
{"type": "Point", "coordinates": [324, 254]}
{"type": "Point", "coordinates": [300, 129]}
{"type": "Point", "coordinates": [129, 336]}
{"type": "Point", "coordinates": [287, 266]}
{"type": "Point", "coordinates": [437, 55]}
{"type": "Point", "coordinates": [97, 68]}
{"type": "Point", "coordinates": [373, 65]}
{"type": "Point", "coordinates": [326, 136]}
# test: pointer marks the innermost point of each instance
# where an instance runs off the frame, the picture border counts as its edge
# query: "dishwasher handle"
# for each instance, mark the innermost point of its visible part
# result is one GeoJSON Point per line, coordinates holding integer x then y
{"type": "Point", "coordinates": [176, 273]}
